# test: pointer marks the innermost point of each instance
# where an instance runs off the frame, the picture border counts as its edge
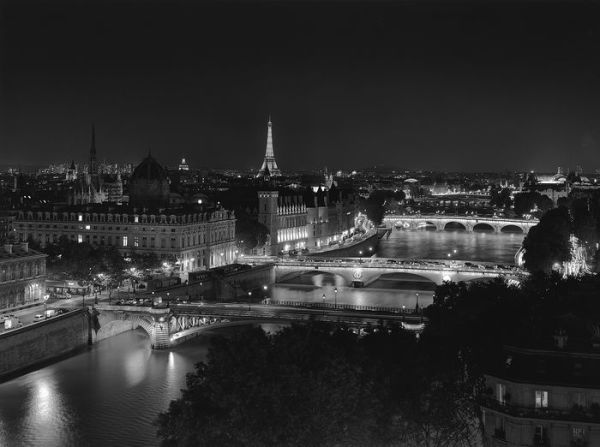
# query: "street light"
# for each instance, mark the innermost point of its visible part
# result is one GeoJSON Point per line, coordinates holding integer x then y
{"type": "Point", "coordinates": [335, 291]}
{"type": "Point", "coordinates": [46, 296]}
{"type": "Point", "coordinates": [417, 305]}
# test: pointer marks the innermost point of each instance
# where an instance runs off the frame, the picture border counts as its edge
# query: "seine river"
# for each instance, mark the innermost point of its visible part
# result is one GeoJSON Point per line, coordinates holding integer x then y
{"type": "Point", "coordinates": [110, 394]}
{"type": "Point", "coordinates": [489, 247]}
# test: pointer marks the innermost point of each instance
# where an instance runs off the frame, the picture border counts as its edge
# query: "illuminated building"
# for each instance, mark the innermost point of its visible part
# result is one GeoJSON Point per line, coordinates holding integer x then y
{"type": "Point", "coordinates": [194, 236]}
{"type": "Point", "coordinates": [22, 275]}
{"type": "Point", "coordinates": [310, 220]}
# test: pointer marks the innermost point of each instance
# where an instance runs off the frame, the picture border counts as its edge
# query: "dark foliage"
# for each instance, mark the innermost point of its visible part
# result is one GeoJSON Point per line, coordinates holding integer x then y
{"type": "Point", "coordinates": [548, 242]}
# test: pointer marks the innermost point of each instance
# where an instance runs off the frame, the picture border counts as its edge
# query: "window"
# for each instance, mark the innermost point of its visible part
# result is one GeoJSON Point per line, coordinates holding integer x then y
{"type": "Point", "coordinates": [136, 241]}
{"type": "Point", "coordinates": [80, 218]}
{"type": "Point", "coordinates": [124, 241]}
{"type": "Point", "coordinates": [578, 434]}
{"type": "Point", "coordinates": [87, 227]}
{"type": "Point", "coordinates": [541, 399]}
{"type": "Point", "coordinates": [501, 393]}
{"type": "Point", "coordinates": [80, 238]}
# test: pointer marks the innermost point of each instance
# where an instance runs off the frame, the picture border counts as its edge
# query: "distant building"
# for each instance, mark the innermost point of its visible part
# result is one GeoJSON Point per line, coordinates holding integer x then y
{"type": "Point", "coordinates": [269, 165]}
{"type": "Point", "coordinates": [313, 219]}
{"type": "Point", "coordinates": [22, 275]}
{"type": "Point", "coordinates": [195, 236]}
{"type": "Point", "coordinates": [183, 166]}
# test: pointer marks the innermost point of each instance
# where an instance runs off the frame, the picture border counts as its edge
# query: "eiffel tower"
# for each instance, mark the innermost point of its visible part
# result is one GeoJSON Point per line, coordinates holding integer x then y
{"type": "Point", "coordinates": [269, 161]}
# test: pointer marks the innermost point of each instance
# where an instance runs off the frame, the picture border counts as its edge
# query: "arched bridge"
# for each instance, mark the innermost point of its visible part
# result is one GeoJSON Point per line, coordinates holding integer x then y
{"type": "Point", "coordinates": [441, 222]}
{"type": "Point", "coordinates": [171, 326]}
{"type": "Point", "coordinates": [362, 272]}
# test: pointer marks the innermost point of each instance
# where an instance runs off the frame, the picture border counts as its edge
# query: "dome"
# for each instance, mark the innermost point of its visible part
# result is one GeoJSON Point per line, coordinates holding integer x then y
{"type": "Point", "coordinates": [149, 169]}
{"type": "Point", "coordinates": [149, 185]}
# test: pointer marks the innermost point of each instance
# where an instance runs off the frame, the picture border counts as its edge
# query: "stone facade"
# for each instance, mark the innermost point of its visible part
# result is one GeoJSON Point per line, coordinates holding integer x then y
{"type": "Point", "coordinates": [198, 240]}
{"type": "Point", "coordinates": [22, 275]}
{"type": "Point", "coordinates": [543, 398]}
{"type": "Point", "coordinates": [310, 220]}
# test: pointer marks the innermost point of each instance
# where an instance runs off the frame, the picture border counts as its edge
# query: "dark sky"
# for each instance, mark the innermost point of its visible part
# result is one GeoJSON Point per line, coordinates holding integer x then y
{"type": "Point", "coordinates": [416, 85]}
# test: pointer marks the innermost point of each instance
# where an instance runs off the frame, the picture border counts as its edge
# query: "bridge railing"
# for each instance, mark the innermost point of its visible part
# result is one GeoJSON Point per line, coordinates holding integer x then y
{"type": "Point", "coordinates": [394, 310]}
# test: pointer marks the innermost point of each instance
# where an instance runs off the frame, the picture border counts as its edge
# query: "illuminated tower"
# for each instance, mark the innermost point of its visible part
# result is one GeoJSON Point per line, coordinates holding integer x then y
{"type": "Point", "coordinates": [269, 160]}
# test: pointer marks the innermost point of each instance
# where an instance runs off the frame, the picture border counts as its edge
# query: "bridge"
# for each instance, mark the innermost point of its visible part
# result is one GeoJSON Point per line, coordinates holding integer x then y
{"type": "Point", "coordinates": [360, 272]}
{"type": "Point", "coordinates": [441, 222]}
{"type": "Point", "coordinates": [171, 326]}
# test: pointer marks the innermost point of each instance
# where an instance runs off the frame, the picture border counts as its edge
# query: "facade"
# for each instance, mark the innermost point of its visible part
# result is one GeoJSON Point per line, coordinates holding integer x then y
{"type": "Point", "coordinates": [543, 398]}
{"type": "Point", "coordinates": [197, 240]}
{"type": "Point", "coordinates": [22, 275]}
{"type": "Point", "coordinates": [305, 221]}
{"type": "Point", "coordinates": [269, 165]}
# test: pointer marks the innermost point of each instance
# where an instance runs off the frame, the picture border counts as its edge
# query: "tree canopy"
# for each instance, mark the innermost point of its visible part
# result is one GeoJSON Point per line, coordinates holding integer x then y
{"type": "Point", "coordinates": [316, 385]}
{"type": "Point", "coordinates": [547, 243]}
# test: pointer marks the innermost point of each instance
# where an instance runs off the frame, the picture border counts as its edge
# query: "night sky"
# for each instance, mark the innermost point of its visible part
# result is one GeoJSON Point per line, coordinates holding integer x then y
{"type": "Point", "coordinates": [414, 85]}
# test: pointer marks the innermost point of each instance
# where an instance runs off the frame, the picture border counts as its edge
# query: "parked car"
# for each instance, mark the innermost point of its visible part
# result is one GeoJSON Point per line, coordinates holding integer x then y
{"type": "Point", "coordinates": [38, 317]}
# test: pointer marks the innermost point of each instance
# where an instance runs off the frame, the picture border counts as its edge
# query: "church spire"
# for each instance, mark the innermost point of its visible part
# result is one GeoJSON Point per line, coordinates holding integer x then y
{"type": "Point", "coordinates": [269, 160]}
{"type": "Point", "coordinates": [93, 161]}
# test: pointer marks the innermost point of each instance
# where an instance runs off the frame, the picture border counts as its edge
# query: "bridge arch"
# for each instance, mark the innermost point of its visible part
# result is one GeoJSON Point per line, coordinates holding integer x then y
{"type": "Point", "coordinates": [426, 226]}
{"type": "Point", "coordinates": [112, 324]}
{"type": "Point", "coordinates": [511, 228]}
{"type": "Point", "coordinates": [483, 227]}
{"type": "Point", "coordinates": [314, 277]}
{"type": "Point", "coordinates": [402, 280]}
{"type": "Point", "coordinates": [454, 226]}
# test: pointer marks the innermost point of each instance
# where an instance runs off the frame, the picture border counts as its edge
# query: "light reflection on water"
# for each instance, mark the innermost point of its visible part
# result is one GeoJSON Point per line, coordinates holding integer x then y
{"type": "Point", "coordinates": [107, 396]}
{"type": "Point", "coordinates": [402, 289]}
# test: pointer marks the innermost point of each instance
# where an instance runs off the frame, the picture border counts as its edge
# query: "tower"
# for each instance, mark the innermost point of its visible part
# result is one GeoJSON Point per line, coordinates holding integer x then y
{"type": "Point", "coordinates": [269, 160]}
{"type": "Point", "coordinates": [93, 162]}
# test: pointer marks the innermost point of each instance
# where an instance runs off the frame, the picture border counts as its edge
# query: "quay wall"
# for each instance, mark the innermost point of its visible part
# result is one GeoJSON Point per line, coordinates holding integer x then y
{"type": "Point", "coordinates": [40, 343]}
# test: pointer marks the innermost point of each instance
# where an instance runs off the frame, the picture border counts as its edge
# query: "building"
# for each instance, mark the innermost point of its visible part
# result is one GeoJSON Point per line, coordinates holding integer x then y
{"type": "Point", "coordinates": [269, 164]}
{"type": "Point", "coordinates": [543, 397]}
{"type": "Point", "coordinates": [193, 235]}
{"type": "Point", "coordinates": [314, 219]}
{"type": "Point", "coordinates": [183, 166]}
{"type": "Point", "coordinates": [22, 275]}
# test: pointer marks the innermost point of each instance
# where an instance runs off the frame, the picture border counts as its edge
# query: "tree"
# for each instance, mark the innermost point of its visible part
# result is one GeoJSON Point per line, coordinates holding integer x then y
{"type": "Point", "coordinates": [547, 243]}
{"type": "Point", "coordinates": [314, 384]}
{"type": "Point", "coordinates": [528, 201]}
{"type": "Point", "coordinates": [500, 197]}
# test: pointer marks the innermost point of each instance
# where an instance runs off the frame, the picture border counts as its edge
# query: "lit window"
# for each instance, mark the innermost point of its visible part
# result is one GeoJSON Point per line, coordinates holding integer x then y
{"type": "Point", "coordinates": [136, 241]}
{"type": "Point", "coordinates": [80, 238]}
{"type": "Point", "coordinates": [541, 399]}
{"type": "Point", "coordinates": [135, 219]}
{"type": "Point", "coordinates": [87, 227]}
{"type": "Point", "coordinates": [124, 241]}
{"type": "Point", "coordinates": [80, 218]}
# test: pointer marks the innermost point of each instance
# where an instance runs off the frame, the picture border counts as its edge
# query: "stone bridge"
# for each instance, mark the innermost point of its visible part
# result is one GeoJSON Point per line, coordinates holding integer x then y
{"type": "Point", "coordinates": [443, 222]}
{"type": "Point", "coordinates": [360, 272]}
{"type": "Point", "coordinates": [171, 326]}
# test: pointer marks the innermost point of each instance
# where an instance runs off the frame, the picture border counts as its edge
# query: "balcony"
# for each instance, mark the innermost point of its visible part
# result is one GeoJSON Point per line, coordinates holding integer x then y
{"type": "Point", "coordinates": [575, 414]}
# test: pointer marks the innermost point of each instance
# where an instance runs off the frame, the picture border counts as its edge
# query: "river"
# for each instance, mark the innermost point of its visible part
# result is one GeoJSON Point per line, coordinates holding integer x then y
{"type": "Point", "coordinates": [106, 396]}
{"type": "Point", "coordinates": [475, 246]}
{"type": "Point", "coordinates": [110, 394]}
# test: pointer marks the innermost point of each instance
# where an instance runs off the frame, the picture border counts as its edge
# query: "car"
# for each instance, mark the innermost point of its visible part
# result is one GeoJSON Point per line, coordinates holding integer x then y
{"type": "Point", "coordinates": [38, 317]}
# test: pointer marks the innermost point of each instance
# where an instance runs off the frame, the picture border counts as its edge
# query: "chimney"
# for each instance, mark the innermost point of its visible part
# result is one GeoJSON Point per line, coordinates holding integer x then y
{"type": "Point", "coordinates": [24, 246]}
{"type": "Point", "coordinates": [8, 248]}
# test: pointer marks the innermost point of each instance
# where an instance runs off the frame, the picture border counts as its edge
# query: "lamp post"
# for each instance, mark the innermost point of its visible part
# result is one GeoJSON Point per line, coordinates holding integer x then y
{"type": "Point", "coordinates": [360, 256]}
{"type": "Point", "coordinates": [417, 305]}
{"type": "Point", "coordinates": [46, 296]}
{"type": "Point", "coordinates": [335, 291]}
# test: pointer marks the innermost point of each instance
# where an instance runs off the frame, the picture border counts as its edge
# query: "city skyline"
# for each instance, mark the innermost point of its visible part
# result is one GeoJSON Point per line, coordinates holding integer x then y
{"type": "Point", "coordinates": [419, 86]}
